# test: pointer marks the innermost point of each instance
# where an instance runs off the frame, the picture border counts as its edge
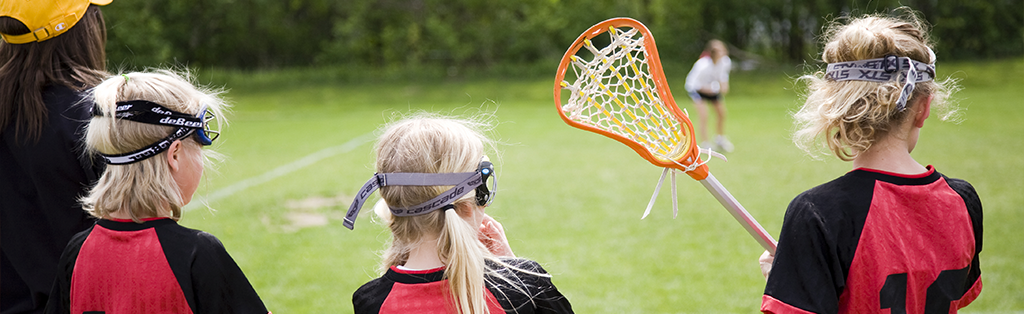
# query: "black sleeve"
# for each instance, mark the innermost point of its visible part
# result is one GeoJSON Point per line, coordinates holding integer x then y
{"type": "Point", "coordinates": [60, 293]}
{"type": "Point", "coordinates": [541, 295]}
{"type": "Point", "coordinates": [548, 298]}
{"type": "Point", "coordinates": [973, 202]}
{"type": "Point", "coordinates": [80, 114]}
{"type": "Point", "coordinates": [219, 284]}
{"type": "Point", "coordinates": [40, 183]}
{"type": "Point", "coordinates": [370, 297]}
{"type": "Point", "coordinates": [806, 272]}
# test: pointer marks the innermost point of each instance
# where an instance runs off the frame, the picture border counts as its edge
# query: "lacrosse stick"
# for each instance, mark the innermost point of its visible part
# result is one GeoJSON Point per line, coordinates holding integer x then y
{"type": "Point", "coordinates": [620, 91]}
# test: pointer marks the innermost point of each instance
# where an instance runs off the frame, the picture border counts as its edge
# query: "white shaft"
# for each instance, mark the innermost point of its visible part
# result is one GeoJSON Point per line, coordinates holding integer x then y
{"type": "Point", "coordinates": [737, 211]}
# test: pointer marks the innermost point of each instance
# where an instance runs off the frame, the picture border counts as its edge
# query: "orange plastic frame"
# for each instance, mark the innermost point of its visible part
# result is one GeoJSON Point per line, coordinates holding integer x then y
{"type": "Point", "coordinates": [692, 154]}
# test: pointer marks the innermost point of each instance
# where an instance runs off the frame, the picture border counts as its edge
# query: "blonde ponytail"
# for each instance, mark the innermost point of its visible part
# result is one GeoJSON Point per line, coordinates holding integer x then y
{"type": "Point", "coordinates": [465, 255]}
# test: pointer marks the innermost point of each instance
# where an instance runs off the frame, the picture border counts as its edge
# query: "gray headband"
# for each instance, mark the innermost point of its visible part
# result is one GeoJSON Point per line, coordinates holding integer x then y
{"type": "Point", "coordinates": [463, 183]}
{"type": "Point", "coordinates": [883, 70]}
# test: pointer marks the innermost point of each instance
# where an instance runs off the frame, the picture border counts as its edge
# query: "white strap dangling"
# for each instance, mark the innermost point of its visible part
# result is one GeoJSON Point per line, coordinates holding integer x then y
{"type": "Point", "coordinates": [655, 196]}
{"type": "Point", "coordinates": [675, 200]}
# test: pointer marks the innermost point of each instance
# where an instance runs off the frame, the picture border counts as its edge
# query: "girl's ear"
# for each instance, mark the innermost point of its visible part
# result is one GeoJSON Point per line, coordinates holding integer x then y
{"type": "Point", "coordinates": [466, 210]}
{"type": "Point", "coordinates": [924, 111]}
{"type": "Point", "coordinates": [174, 155]}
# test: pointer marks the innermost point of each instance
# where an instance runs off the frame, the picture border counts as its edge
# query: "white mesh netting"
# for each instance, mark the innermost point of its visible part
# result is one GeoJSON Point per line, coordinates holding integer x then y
{"type": "Point", "coordinates": [615, 92]}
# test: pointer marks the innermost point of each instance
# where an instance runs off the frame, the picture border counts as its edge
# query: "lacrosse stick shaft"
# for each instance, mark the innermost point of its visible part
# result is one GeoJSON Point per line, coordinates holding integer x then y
{"type": "Point", "coordinates": [737, 211]}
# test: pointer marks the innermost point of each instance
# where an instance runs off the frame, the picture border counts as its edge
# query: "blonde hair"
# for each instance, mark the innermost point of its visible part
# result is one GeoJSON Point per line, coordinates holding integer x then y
{"type": "Point", "coordinates": [433, 144]}
{"type": "Point", "coordinates": [853, 115]}
{"type": "Point", "coordinates": [145, 187]}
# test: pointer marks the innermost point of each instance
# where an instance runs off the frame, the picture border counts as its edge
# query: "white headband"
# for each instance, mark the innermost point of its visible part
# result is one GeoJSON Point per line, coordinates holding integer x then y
{"type": "Point", "coordinates": [883, 70]}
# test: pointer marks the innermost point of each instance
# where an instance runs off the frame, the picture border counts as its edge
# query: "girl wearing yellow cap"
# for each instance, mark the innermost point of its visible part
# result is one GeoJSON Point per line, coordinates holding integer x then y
{"type": "Point", "coordinates": [51, 50]}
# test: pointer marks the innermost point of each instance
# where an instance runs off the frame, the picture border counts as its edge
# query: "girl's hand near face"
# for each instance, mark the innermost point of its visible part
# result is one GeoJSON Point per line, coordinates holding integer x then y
{"type": "Point", "coordinates": [492, 235]}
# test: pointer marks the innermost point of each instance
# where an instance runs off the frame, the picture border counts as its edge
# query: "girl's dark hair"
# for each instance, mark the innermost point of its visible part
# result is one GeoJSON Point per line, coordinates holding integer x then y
{"type": "Point", "coordinates": [76, 59]}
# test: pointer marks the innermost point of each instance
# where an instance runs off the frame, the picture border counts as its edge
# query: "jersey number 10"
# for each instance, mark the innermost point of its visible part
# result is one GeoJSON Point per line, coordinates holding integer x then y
{"type": "Point", "coordinates": [946, 288]}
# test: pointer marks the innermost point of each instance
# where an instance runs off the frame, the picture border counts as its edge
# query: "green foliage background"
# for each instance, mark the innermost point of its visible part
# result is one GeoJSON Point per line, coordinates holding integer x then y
{"type": "Point", "coordinates": [450, 35]}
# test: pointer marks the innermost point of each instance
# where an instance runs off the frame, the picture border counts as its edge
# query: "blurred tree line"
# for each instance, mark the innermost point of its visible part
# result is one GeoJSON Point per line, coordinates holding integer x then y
{"type": "Point", "coordinates": [261, 34]}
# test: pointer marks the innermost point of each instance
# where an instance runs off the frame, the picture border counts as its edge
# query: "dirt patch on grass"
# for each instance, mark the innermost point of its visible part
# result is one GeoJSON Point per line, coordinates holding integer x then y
{"type": "Point", "coordinates": [313, 211]}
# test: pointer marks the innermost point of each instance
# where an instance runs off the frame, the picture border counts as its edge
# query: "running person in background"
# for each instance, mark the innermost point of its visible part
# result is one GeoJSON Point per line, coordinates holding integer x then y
{"type": "Point", "coordinates": [51, 51]}
{"type": "Point", "coordinates": [708, 81]}
{"type": "Point", "coordinates": [151, 129]}
{"type": "Point", "coordinates": [446, 255]}
{"type": "Point", "coordinates": [891, 235]}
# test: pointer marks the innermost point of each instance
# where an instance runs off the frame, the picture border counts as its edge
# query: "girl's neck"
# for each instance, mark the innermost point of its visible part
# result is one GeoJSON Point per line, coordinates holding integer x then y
{"type": "Point", "coordinates": [891, 154]}
{"type": "Point", "coordinates": [123, 213]}
{"type": "Point", "coordinates": [424, 256]}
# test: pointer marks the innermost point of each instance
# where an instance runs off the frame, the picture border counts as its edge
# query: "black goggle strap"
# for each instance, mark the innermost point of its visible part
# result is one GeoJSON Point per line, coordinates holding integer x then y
{"type": "Point", "coordinates": [148, 112]}
{"type": "Point", "coordinates": [882, 70]}
{"type": "Point", "coordinates": [152, 113]}
{"type": "Point", "coordinates": [144, 111]}
{"type": "Point", "coordinates": [148, 151]}
{"type": "Point", "coordinates": [463, 183]}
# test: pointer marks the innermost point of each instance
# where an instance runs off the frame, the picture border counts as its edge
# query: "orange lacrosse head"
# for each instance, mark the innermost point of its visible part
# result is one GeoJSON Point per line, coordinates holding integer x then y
{"type": "Point", "coordinates": [618, 89]}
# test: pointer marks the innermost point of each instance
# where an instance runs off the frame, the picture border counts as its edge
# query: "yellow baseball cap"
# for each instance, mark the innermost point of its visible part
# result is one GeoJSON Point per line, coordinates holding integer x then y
{"type": "Point", "coordinates": [45, 18]}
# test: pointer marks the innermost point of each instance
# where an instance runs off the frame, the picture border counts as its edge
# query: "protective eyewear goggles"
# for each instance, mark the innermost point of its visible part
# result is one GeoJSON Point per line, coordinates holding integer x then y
{"type": "Point", "coordinates": [210, 130]}
{"type": "Point", "coordinates": [203, 125]}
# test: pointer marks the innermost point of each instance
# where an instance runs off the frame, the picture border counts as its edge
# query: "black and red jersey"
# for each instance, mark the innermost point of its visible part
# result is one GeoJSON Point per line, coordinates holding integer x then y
{"type": "Point", "coordinates": [405, 291]}
{"type": "Point", "coordinates": [877, 242]}
{"type": "Point", "coordinates": [158, 266]}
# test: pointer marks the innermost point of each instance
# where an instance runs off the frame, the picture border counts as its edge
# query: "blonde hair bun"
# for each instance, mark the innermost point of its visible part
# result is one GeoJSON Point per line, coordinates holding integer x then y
{"type": "Point", "coordinates": [851, 115]}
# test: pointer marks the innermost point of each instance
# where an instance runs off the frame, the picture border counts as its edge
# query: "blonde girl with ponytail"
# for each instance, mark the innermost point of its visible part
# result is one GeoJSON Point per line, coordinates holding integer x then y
{"type": "Point", "coordinates": [891, 235]}
{"type": "Point", "coordinates": [446, 255]}
{"type": "Point", "coordinates": [150, 128]}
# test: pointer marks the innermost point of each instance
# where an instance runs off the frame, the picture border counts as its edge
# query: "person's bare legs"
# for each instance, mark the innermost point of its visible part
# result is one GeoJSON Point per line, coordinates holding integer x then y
{"type": "Point", "coordinates": [720, 110]}
{"type": "Point", "coordinates": [702, 120]}
{"type": "Point", "coordinates": [720, 140]}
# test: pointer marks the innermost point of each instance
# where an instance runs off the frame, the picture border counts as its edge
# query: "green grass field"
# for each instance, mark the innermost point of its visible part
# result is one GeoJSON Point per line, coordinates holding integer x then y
{"type": "Point", "coordinates": [298, 148]}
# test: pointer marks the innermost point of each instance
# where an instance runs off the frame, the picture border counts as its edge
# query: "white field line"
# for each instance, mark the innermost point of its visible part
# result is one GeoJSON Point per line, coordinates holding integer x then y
{"type": "Point", "coordinates": [280, 171]}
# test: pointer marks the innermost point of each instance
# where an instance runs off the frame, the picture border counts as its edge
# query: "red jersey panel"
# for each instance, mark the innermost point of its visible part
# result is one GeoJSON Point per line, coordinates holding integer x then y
{"type": "Point", "coordinates": [158, 266]}
{"type": "Point", "coordinates": [402, 291]}
{"type": "Point", "coordinates": [426, 298]}
{"type": "Point", "coordinates": [914, 244]}
{"type": "Point", "coordinates": [133, 277]}
{"type": "Point", "coordinates": [876, 242]}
